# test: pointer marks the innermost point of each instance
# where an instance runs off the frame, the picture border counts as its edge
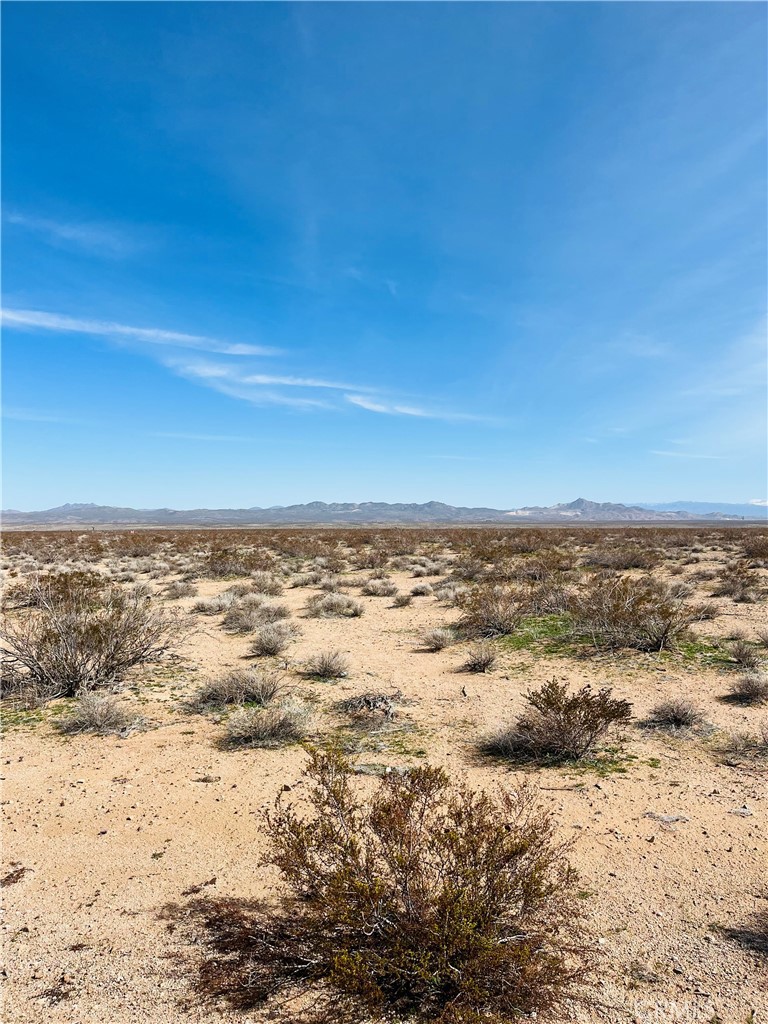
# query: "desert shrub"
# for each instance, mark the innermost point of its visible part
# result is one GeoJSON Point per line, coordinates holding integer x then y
{"type": "Point", "coordinates": [619, 611]}
{"type": "Point", "coordinates": [675, 713]}
{"type": "Point", "coordinates": [402, 600]}
{"type": "Point", "coordinates": [489, 611]}
{"type": "Point", "coordinates": [762, 637]}
{"type": "Point", "coordinates": [227, 561]}
{"type": "Point", "coordinates": [79, 637]}
{"type": "Point", "coordinates": [560, 726]}
{"type": "Point", "coordinates": [329, 584]}
{"type": "Point", "coordinates": [180, 588]}
{"type": "Point", "coordinates": [481, 657]}
{"type": "Point", "coordinates": [422, 590]}
{"type": "Point", "coordinates": [756, 548]}
{"type": "Point", "coordinates": [426, 901]}
{"type": "Point", "coordinates": [623, 558]}
{"type": "Point", "coordinates": [265, 583]}
{"type": "Point", "coordinates": [746, 746]}
{"type": "Point", "coordinates": [451, 593]}
{"type": "Point", "coordinates": [240, 686]}
{"type": "Point", "coordinates": [251, 612]}
{"type": "Point", "coordinates": [268, 727]}
{"type": "Point", "coordinates": [738, 582]}
{"type": "Point", "coordinates": [437, 639]}
{"type": "Point", "coordinates": [97, 714]}
{"type": "Point", "coordinates": [325, 606]}
{"type": "Point", "coordinates": [214, 605]}
{"type": "Point", "coordinates": [745, 655]}
{"type": "Point", "coordinates": [379, 588]}
{"type": "Point", "coordinates": [271, 639]}
{"type": "Point", "coordinates": [751, 688]}
{"type": "Point", "coordinates": [327, 665]}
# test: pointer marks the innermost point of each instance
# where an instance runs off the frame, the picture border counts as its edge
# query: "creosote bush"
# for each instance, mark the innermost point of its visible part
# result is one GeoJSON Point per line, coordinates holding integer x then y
{"type": "Point", "coordinates": [560, 726]}
{"type": "Point", "coordinates": [622, 611]}
{"type": "Point", "coordinates": [81, 632]}
{"type": "Point", "coordinates": [425, 901]}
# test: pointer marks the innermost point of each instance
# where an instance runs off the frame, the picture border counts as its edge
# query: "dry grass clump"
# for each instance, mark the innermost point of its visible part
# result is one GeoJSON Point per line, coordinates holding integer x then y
{"type": "Point", "coordinates": [425, 901]}
{"type": "Point", "coordinates": [215, 605]}
{"type": "Point", "coordinates": [422, 590]}
{"type": "Point", "coordinates": [762, 637]}
{"type": "Point", "coordinates": [751, 688]}
{"type": "Point", "coordinates": [326, 606]}
{"type": "Point", "coordinates": [481, 658]}
{"type": "Point", "coordinates": [674, 714]}
{"type": "Point", "coordinates": [253, 611]}
{"type": "Point", "coordinates": [327, 665]}
{"type": "Point", "coordinates": [561, 726]}
{"type": "Point", "coordinates": [271, 639]}
{"type": "Point", "coordinates": [96, 714]}
{"type": "Point", "coordinates": [746, 746]}
{"type": "Point", "coordinates": [268, 727]}
{"type": "Point", "coordinates": [402, 600]}
{"type": "Point", "coordinates": [640, 613]}
{"type": "Point", "coordinates": [489, 610]}
{"type": "Point", "coordinates": [180, 588]}
{"type": "Point", "coordinates": [84, 632]}
{"type": "Point", "coordinates": [379, 588]}
{"type": "Point", "coordinates": [437, 639]}
{"type": "Point", "coordinates": [265, 583]}
{"type": "Point", "coordinates": [240, 686]}
{"type": "Point", "coordinates": [738, 582]}
{"type": "Point", "coordinates": [745, 655]}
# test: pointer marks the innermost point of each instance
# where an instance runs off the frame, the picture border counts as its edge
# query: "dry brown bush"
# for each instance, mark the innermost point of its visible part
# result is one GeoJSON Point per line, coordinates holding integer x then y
{"type": "Point", "coordinates": [425, 901]}
{"type": "Point", "coordinates": [490, 610]}
{"type": "Point", "coordinates": [561, 726]}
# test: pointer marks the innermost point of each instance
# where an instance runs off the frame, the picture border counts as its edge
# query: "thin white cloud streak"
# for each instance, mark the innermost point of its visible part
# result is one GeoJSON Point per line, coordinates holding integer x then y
{"type": "Point", "coordinates": [31, 319]}
{"type": "Point", "coordinates": [758, 501]}
{"type": "Point", "coordinates": [392, 409]}
{"type": "Point", "coordinates": [102, 239]}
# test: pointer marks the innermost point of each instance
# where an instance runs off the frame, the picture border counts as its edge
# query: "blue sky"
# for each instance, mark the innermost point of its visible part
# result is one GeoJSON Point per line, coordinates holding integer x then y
{"type": "Point", "coordinates": [490, 254]}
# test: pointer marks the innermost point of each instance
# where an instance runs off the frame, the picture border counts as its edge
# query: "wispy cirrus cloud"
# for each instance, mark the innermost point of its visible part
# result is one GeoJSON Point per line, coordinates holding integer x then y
{"type": "Point", "coordinates": [58, 322]}
{"type": "Point", "coordinates": [34, 416]}
{"type": "Point", "coordinates": [91, 236]}
{"type": "Point", "coordinates": [684, 455]}
{"type": "Point", "coordinates": [388, 408]}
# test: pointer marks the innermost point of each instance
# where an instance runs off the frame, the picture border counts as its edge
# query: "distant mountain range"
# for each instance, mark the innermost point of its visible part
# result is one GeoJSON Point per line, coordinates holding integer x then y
{"type": "Point", "coordinates": [342, 513]}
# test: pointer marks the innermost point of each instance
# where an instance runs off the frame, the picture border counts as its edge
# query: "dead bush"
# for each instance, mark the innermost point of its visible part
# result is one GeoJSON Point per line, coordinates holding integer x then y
{"type": "Point", "coordinates": [180, 588]}
{"type": "Point", "coordinates": [97, 714]}
{"type": "Point", "coordinates": [621, 611]}
{"type": "Point", "coordinates": [253, 611]}
{"type": "Point", "coordinates": [327, 665]}
{"type": "Point", "coordinates": [738, 582]}
{"type": "Point", "coordinates": [402, 600]}
{"type": "Point", "coordinates": [240, 686]}
{"type": "Point", "coordinates": [422, 590]}
{"type": "Point", "coordinates": [674, 714]}
{"type": "Point", "coordinates": [215, 605]}
{"type": "Point", "coordinates": [379, 588]}
{"type": "Point", "coordinates": [745, 655]}
{"type": "Point", "coordinates": [272, 639]}
{"type": "Point", "coordinates": [750, 689]}
{"type": "Point", "coordinates": [265, 583]}
{"type": "Point", "coordinates": [425, 901]}
{"type": "Point", "coordinates": [268, 727]}
{"type": "Point", "coordinates": [325, 606]}
{"type": "Point", "coordinates": [623, 558]}
{"type": "Point", "coordinates": [76, 637]}
{"type": "Point", "coordinates": [481, 657]}
{"type": "Point", "coordinates": [437, 639]}
{"type": "Point", "coordinates": [561, 726]}
{"type": "Point", "coordinates": [489, 610]}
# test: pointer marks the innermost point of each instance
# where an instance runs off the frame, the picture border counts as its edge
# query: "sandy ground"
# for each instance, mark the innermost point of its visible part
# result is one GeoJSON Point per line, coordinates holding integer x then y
{"type": "Point", "coordinates": [111, 830]}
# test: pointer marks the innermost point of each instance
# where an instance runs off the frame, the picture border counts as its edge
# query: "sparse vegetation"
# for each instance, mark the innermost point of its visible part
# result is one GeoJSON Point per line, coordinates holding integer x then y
{"type": "Point", "coordinates": [96, 713]}
{"type": "Point", "coordinates": [674, 714]}
{"type": "Point", "coordinates": [560, 726]}
{"type": "Point", "coordinates": [267, 727]}
{"type": "Point", "coordinates": [240, 686]}
{"type": "Point", "coordinates": [272, 639]}
{"type": "Point", "coordinates": [326, 606]}
{"type": "Point", "coordinates": [751, 688]}
{"type": "Point", "coordinates": [327, 665]}
{"type": "Point", "coordinates": [481, 658]}
{"type": "Point", "coordinates": [488, 611]}
{"type": "Point", "coordinates": [437, 639]}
